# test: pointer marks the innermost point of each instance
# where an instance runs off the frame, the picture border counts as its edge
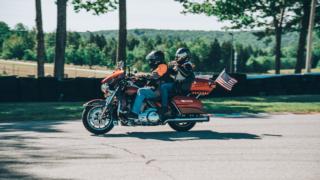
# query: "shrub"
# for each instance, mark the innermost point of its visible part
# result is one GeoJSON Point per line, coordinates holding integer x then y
{"type": "Point", "coordinates": [260, 64]}
{"type": "Point", "coordinates": [29, 55]}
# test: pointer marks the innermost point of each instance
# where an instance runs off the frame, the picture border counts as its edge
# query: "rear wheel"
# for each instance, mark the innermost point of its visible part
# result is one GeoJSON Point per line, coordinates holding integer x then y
{"type": "Point", "coordinates": [93, 123]}
{"type": "Point", "coordinates": [181, 126]}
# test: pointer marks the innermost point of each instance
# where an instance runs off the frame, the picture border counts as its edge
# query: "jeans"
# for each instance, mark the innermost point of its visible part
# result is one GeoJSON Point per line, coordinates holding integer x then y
{"type": "Point", "coordinates": [143, 93]}
{"type": "Point", "coordinates": [165, 89]}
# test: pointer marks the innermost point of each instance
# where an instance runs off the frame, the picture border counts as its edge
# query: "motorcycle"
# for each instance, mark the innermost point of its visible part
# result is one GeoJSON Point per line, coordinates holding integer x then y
{"type": "Point", "coordinates": [101, 115]}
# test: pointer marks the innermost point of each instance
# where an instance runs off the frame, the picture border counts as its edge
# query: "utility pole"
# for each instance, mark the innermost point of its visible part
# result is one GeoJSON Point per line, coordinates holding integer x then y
{"type": "Point", "coordinates": [309, 38]}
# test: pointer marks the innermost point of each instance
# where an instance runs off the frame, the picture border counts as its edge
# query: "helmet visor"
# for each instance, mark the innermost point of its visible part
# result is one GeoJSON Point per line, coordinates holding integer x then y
{"type": "Point", "coordinates": [181, 55]}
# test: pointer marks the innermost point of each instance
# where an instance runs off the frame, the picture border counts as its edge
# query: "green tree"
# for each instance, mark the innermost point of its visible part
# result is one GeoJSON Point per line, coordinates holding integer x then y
{"type": "Point", "coordinates": [258, 65]}
{"type": "Point", "coordinates": [273, 15]}
{"type": "Point", "coordinates": [213, 63]}
{"type": "Point", "coordinates": [226, 54]}
{"type": "Point", "coordinates": [71, 55]}
{"type": "Point", "coordinates": [93, 55]}
{"type": "Point", "coordinates": [110, 51]}
{"type": "Point", "coordinates": [29, 54]}
{"type": "Point", "coordinates": [147, 44]}
{"type": "Point", "coordinates": [50, 39]}
{"type": "Point", "coordinates": [100, 41]}
{"type": "Point", "coordinates": [158, 40]}
{"type": "Point", "coordinates": [74, 39]}
{"type": "Point", "coordinates": [14, 47]}
{"type": "Point", "coordinates": [243, 57]}
{"type": "Point", "coordinates": [4, 33]}
{"type": "Point", "coordinates": [199, 52]}
{"type": "Point", "coordinates": [20, 29]}
{"type": "Point", "coordinates": [92, 38]}
{"type": "Point", "coordinates": [50, 54]}
{"type": "Point", "coordinates": [132, 43]}
{"type": "Point", "coordinates": [27, 36]}
{"type": "Point", "coordinates": [80, 56]}
{"type": "Point", "coordinates": [105, 6]}
{"type": "Point", "coordinates": [20, 41]}
{"type": "Point", "coordinates": [316, 57]}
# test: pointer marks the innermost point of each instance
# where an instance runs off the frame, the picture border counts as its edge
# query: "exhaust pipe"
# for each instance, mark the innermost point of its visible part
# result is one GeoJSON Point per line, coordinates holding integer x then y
{"type": "Point", "coordinates": [200, 119]}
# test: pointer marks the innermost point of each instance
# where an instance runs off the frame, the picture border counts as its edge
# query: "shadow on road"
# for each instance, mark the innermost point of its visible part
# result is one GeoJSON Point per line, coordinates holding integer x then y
{"type": "Point", "coordinates": [184, 136]}
{"type": "Point", "coordinates": [34, 126]}
{"type": "Point", "coordinates": [11, 166]}
{"type": "Point", "coordinates": [18, 141]}
{"type": "Point", "coordinates": [9, 170]}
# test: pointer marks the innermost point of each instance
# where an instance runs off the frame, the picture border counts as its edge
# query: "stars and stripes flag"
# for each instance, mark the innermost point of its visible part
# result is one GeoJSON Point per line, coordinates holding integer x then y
{"type": "Point", "coordinates": [225, 80]}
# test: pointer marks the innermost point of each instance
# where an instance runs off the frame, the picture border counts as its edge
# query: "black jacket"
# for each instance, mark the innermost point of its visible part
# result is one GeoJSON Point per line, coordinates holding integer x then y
{"type": "Point", "coordinates": [183, 76]}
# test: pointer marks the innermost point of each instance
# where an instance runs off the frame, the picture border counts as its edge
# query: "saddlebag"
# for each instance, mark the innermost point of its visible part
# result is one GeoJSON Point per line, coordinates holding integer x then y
{"type": "Point", "coordinates": [188, 105]}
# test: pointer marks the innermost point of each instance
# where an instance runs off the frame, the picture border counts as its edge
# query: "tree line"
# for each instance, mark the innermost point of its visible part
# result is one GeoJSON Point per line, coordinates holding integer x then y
{"type": "Point", "coordinates": [99, 48]}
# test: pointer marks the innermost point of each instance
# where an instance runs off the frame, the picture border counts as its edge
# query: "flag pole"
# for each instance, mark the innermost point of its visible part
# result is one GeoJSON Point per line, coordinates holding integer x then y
{"type": "Point", "coordinates": [224, 70]}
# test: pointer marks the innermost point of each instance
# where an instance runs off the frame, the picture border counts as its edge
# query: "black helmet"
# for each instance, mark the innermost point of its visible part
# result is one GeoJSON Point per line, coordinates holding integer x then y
{"type": "Point", "coordinates": [182, 55]}
{"type": "Point", "coordinates": [155, 58]}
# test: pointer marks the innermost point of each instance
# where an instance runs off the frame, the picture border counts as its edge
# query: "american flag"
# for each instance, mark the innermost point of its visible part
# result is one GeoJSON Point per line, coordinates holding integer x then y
{"type": "Point", "coordinates": [225, 80]}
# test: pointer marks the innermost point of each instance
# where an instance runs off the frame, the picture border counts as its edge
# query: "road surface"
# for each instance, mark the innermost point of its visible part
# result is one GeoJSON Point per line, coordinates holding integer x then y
{"type": "Point", "coordinates": [261, 147]}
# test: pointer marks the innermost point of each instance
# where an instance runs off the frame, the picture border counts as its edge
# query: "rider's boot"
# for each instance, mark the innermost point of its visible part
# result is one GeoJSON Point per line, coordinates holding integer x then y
{"type": "Point", "coordinates": [132, 115]}
{"type": "Point", "coordinates": [164, 113]}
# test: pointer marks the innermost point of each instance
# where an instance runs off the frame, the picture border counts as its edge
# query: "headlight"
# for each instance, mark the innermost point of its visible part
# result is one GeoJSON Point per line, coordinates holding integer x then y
{"type": "Point", "coordinates": [104, 88]}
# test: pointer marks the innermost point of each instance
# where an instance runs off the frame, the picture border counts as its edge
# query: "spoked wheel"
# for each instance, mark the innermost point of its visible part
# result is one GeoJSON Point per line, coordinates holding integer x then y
{"type": "Point", "coordinates": [181, 126]}
{"type": "Point", "coordinates": [95, 123]}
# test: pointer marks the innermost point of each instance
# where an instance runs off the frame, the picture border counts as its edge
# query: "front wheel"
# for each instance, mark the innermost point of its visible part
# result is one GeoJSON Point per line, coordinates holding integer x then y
{"type": "Point", "coordinates": [92, 121]}
{"type": "Point", "coordinates": [181, 126]}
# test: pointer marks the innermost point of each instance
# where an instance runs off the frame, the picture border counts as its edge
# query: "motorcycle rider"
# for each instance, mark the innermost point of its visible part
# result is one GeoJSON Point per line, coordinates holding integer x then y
{"type": "Point", "coordinates": [159, 75]}
{"type": "Point", "coordinates": [181, 71]}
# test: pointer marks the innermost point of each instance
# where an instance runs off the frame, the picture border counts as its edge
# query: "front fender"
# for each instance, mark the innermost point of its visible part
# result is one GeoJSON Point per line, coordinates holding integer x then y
{"type": "Point", "coordinates": [95, 102]}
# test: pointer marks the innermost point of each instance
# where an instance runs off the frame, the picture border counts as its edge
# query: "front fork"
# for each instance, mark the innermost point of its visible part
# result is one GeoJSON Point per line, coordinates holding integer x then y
{"type": "Point", "coordinates": [108, 103]}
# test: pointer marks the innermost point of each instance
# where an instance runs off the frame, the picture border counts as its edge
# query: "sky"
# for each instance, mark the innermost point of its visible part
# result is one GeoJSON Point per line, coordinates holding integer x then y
{"type": "Point", "coordinates": [142, 14]}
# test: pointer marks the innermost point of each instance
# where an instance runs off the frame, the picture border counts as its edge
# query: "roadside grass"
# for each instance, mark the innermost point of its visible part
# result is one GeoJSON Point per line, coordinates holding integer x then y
{"type": "Point", "coordinates": [73, 110]}
{"type": "Point", "coordinates": [40, 111]}
{"type": "Point", "coordinates": [264, 104]}
{"type": "Point", "coordinates": [291, 71]}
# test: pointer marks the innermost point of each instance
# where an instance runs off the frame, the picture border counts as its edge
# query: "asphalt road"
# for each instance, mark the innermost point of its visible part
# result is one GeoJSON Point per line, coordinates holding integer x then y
{"type": "Point", "coordinates": [267, 147]}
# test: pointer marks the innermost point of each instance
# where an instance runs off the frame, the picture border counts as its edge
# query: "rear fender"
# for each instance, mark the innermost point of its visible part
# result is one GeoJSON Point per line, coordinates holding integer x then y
{"type": "Point", "coordinates": [95, 102]}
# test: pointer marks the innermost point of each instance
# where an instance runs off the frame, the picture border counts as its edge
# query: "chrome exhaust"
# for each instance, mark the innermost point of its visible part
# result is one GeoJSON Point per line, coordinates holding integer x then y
{"type": "Point", "coordinates": [199, 119]}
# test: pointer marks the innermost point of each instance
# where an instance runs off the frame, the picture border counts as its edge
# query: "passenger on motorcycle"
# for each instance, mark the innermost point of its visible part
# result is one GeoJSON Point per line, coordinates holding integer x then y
{"type": "Point", "coordinates": [181, 71]}
{"type": "Point", "coordinates": [159, 75]}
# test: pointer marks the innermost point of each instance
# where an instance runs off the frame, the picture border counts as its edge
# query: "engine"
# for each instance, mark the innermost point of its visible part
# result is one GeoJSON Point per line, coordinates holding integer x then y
{"type": "Point", "coordinates": [148, 117]}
